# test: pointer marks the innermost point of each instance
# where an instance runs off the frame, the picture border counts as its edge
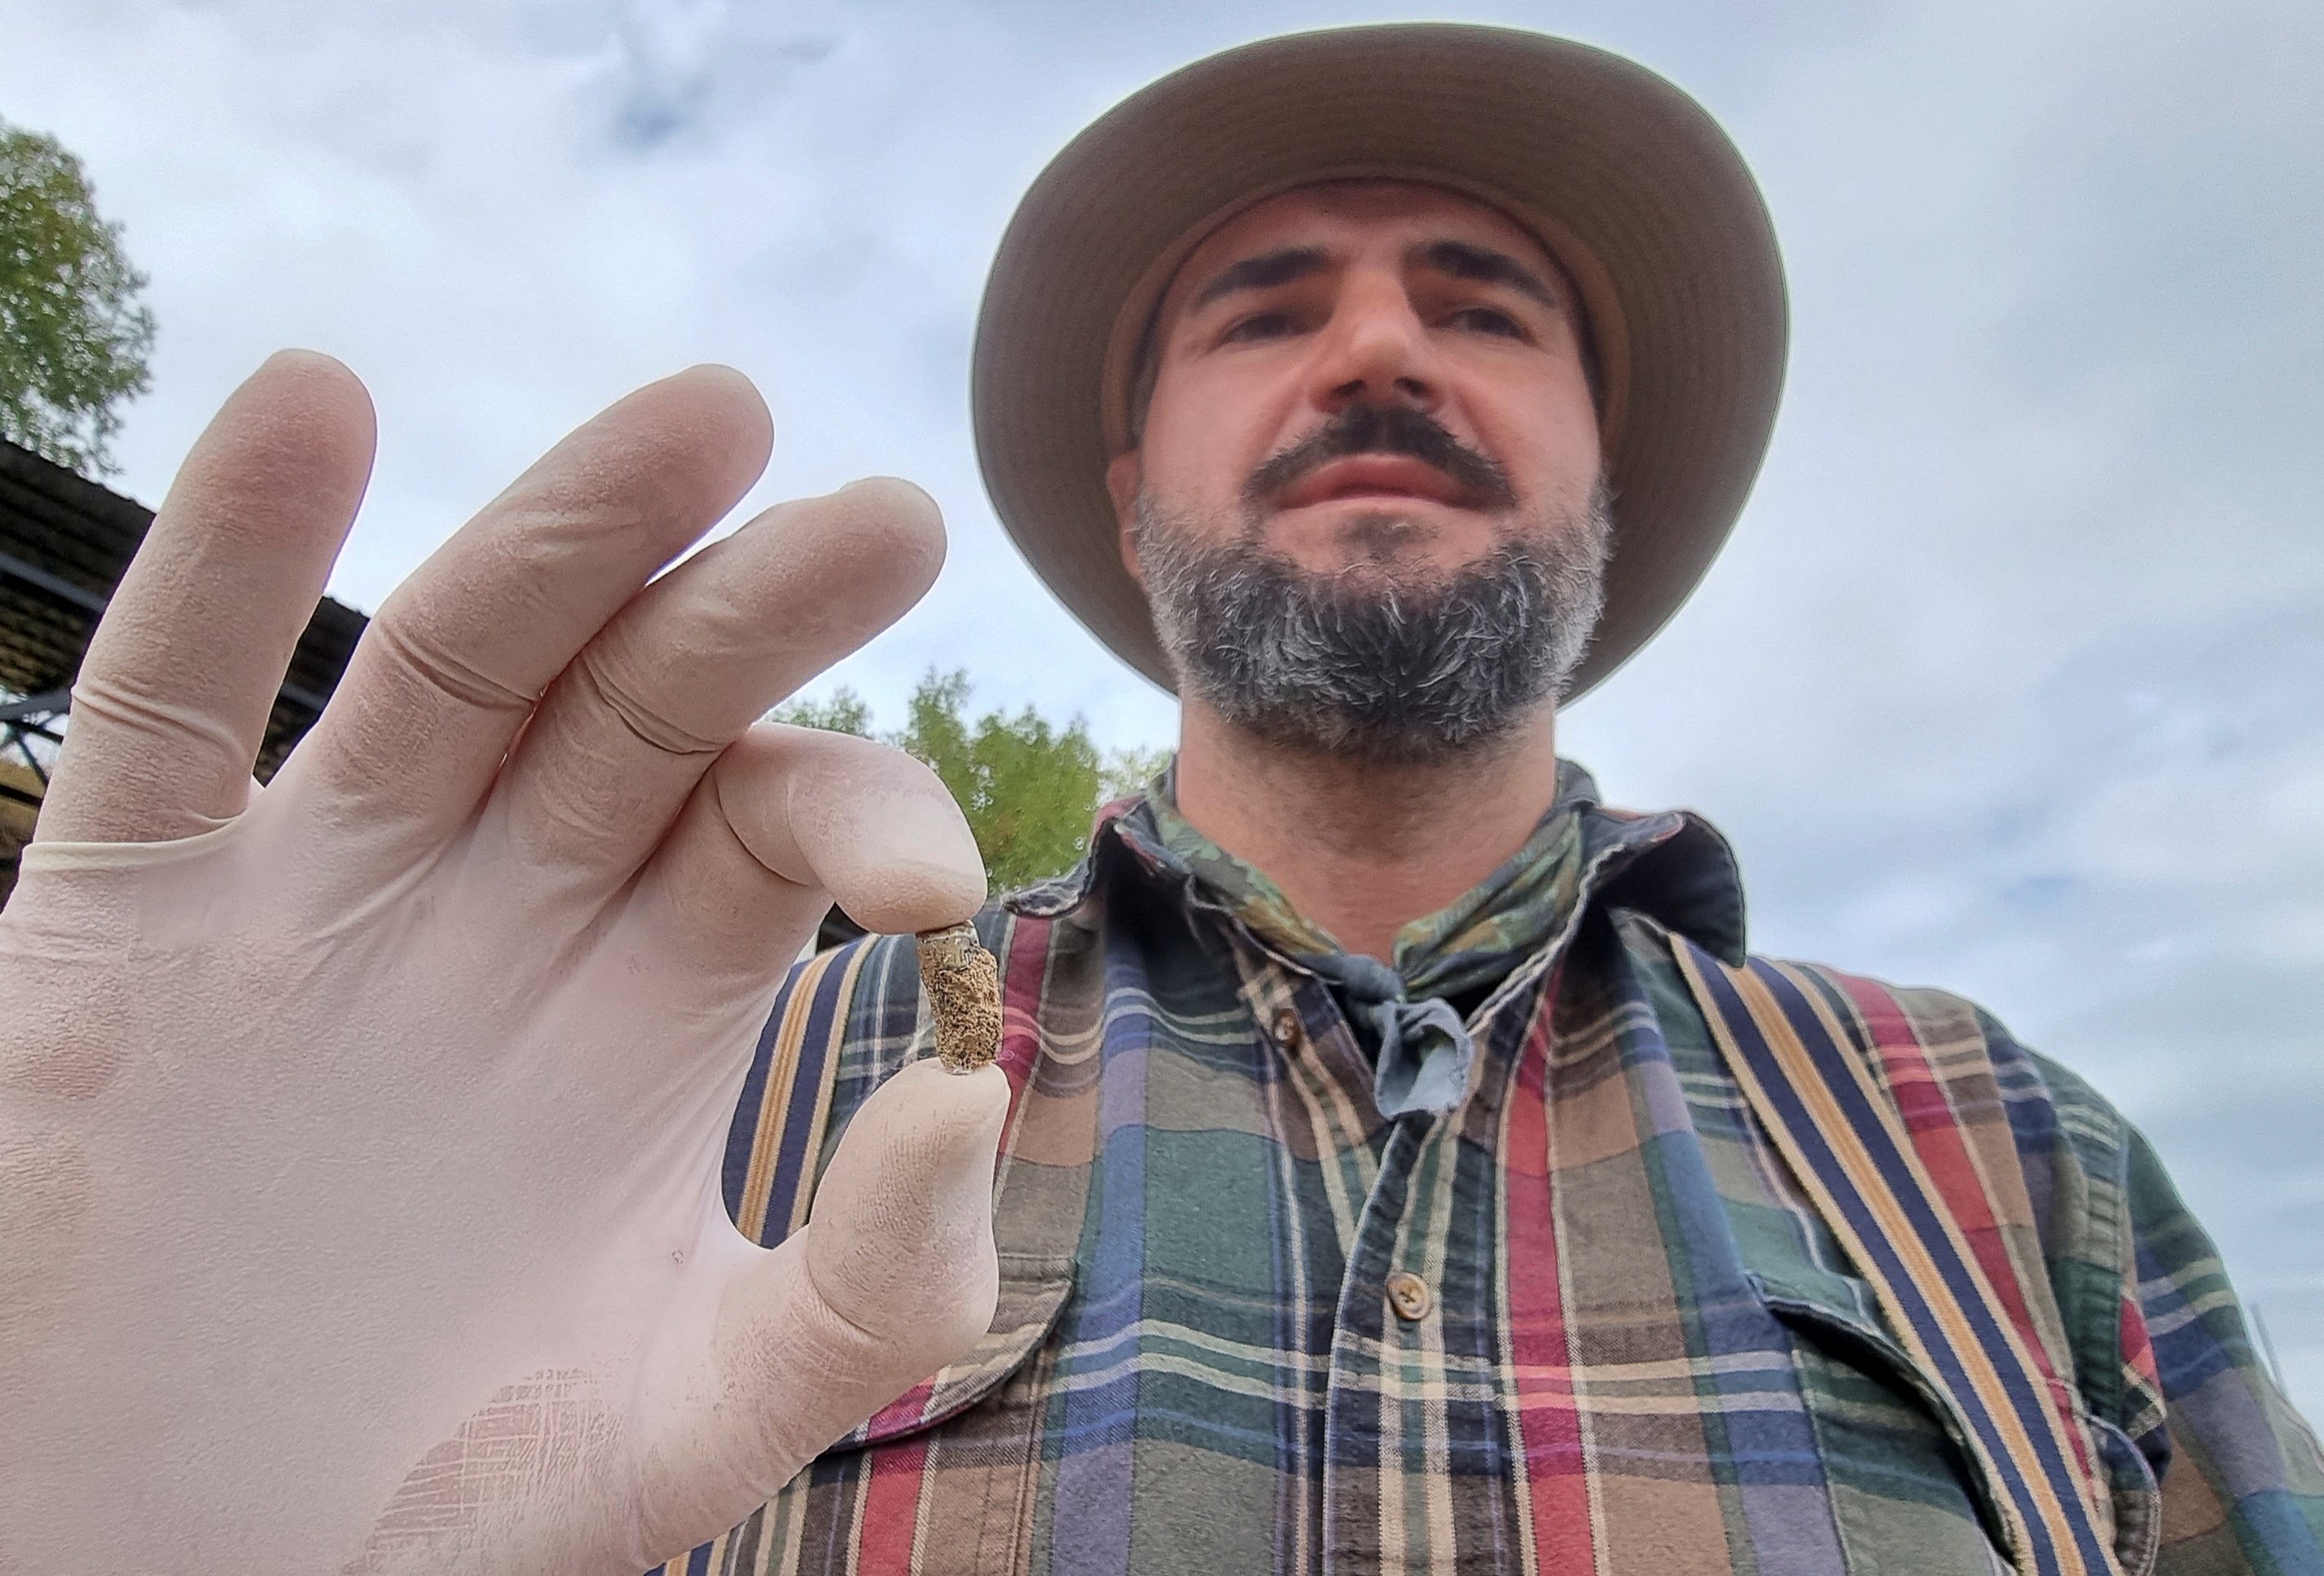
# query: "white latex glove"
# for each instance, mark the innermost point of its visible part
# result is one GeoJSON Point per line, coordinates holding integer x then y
{"type": "Point", "coordinates": [359, 1135]}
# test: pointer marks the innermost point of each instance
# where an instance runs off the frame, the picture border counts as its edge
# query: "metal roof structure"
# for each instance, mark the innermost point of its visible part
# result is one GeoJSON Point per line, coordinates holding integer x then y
{"type": "Point", "coordinates": [64, 543]}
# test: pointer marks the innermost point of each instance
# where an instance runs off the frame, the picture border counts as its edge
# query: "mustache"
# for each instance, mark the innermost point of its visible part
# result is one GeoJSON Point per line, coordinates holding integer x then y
{"type": "Point", "coordinates": [1384, 429]}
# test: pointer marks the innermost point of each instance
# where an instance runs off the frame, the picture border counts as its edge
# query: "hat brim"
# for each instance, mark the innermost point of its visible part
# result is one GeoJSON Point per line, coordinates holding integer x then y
{"type": "Point", "coordinates": [1629, 182]}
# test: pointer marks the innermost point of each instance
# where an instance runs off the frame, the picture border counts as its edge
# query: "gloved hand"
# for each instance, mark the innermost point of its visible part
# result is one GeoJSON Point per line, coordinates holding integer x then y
{"type": "Point", "coordinates": [359, 1135]}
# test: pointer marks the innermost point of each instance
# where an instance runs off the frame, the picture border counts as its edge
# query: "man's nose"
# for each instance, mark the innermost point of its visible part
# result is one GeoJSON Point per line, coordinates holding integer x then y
{"type": "Point", "coordinates": [1376, 350]}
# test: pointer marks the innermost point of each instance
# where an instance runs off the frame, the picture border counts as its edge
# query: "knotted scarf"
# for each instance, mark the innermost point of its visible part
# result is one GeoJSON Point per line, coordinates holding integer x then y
{"type": "Point", "coordinates": [1402, 1012]}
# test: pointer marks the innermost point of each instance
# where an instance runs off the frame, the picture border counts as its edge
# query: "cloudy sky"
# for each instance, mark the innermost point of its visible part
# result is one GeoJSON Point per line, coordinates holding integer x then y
{"type": "Point", "coordinates": [2012, 679]}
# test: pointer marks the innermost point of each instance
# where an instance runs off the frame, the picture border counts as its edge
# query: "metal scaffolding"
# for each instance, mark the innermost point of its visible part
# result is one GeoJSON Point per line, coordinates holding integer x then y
{"type": "Point", "coordinates": [64, 544]}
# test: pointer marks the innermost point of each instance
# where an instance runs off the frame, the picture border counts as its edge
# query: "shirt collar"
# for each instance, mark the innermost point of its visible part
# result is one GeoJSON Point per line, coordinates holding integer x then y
{"type": "Point", "coordinates": [1671, 865]}
{"type": "Point", "coordinates": [1472, 942]}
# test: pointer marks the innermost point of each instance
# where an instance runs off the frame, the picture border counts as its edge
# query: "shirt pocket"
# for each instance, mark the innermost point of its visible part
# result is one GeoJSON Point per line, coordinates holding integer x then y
{"type": "Point", "coordinates": [2137, 1496]}
{"type": "Point", "coordinates": [1844, 1334]}
{"type": "Point", "coordinates": [1034, 1290]}
{"type": "Point", "coordinates": [1905, 1489]}
{"type": "Point", "coordinates": [942, 1480]}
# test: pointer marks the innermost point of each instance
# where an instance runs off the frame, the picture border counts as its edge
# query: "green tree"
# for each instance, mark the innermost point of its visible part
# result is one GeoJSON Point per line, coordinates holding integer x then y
{"type": "Point", "coordinates": [1028, 787]}
{"type": "Point", "coordinates": [73, 335]}
{"type": "Point", "coordinates": [1128, 772]}
{"type": "Point", "coordinates": [843, 713]}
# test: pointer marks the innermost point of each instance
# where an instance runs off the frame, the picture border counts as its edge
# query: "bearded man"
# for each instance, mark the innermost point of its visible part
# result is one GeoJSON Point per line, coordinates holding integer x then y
{"type": "Point", "coordinates": [1402, 1165]}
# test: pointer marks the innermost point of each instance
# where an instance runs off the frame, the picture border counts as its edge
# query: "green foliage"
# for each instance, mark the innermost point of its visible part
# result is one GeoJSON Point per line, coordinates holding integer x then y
{"type": "Point", "coordinates": [73, 336]}
{"type": "Point", "coordinates": [1028, 788]}
{"type": "Point", "coordinates": [843, 713]}
{"type": "Point", "coordinates": [1128, 772]}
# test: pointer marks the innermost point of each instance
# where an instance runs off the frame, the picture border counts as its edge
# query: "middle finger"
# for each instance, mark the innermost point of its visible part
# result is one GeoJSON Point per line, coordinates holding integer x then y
{"type": "Point", "coordinates": [451, 666]}
{"type": "Point", "coordinates": [624, 734]}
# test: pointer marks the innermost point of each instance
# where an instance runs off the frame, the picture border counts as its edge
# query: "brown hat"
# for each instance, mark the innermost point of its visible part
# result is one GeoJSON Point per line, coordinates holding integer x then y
{"type": "Point", "coordinates": [1629, 182]}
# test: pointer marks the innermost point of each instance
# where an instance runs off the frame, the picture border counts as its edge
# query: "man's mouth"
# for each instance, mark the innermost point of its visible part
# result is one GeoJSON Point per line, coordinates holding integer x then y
{"type": "Point", "coordinates": [1386, 477]}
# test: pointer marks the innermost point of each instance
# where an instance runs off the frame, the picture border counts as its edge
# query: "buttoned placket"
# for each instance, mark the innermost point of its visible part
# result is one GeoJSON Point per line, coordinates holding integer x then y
{"type": "Point", "coordinates": [1386, 1304]}
{"type": "Point", "coordinates": [1403, 1187]}
{"type": "Point", "coordinates": [1295, 1014]}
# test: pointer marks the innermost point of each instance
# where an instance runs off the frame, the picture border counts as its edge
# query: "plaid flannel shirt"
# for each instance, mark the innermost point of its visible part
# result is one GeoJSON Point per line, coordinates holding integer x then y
{"type": "Point", "coordinates": [1586, 1322]}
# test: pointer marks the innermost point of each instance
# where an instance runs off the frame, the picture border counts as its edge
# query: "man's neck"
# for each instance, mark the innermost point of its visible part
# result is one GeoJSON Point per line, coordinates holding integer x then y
{"type": "Point", "coordinates": [1361, 849]}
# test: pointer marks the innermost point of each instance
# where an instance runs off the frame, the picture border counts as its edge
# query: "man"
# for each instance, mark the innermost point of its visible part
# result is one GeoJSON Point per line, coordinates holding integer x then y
{"type": "Point", "coordinates": [1376, 1197]}
{"type": "Point", "coordinates": [1404, 1168]}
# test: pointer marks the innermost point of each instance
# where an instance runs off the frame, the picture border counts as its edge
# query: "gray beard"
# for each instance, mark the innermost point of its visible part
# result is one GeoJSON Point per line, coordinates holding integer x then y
{"type": "Point", "coordinates": [1405, 671]}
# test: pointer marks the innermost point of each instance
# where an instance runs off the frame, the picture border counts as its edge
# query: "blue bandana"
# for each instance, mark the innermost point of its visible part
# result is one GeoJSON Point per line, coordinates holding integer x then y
{"type": "Point", "coordinates": [1402, 1014]}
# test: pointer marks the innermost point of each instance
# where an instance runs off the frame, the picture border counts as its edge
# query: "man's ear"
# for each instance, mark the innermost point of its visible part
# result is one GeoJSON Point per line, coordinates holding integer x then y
{"type": "Point", "coordinates": [1122, 476]}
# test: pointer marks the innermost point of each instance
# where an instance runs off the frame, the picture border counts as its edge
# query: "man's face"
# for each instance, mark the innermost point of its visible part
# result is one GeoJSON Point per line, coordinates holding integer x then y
{"type": "Point", "coordinates": [1366, 501]}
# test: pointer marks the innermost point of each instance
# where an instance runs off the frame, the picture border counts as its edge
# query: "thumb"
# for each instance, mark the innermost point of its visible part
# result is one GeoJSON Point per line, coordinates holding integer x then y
{"type": "Point", "coordinates": [899, 1243]}
{"type": "Point", "coordinates": [893, 1277]}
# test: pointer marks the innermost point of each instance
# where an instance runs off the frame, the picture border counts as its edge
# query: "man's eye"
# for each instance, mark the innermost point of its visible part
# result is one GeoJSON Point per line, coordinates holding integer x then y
{"type": "Point", "coordinates": [1259, 326]}
{"type": "Point", "coordinates": [1488, 320]}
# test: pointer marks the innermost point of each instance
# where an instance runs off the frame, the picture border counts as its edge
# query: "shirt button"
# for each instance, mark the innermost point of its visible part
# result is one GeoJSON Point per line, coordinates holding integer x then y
{"type": "Point", "coordinates": [1407, 1294]}
{"type": "Point", "coordinates": [1286, 1027]}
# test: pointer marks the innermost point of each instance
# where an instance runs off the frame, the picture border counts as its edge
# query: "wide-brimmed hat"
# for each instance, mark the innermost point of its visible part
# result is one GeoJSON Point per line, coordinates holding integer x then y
{"type": "Point", "coordinates": [1628, 181]}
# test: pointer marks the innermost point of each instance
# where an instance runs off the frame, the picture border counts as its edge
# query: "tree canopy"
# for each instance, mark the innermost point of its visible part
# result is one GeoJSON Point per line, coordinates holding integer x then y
{"type": "Point", "coordinates": [1028, 787]}
{"type": "Point", "coordinates": [73, 335]}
